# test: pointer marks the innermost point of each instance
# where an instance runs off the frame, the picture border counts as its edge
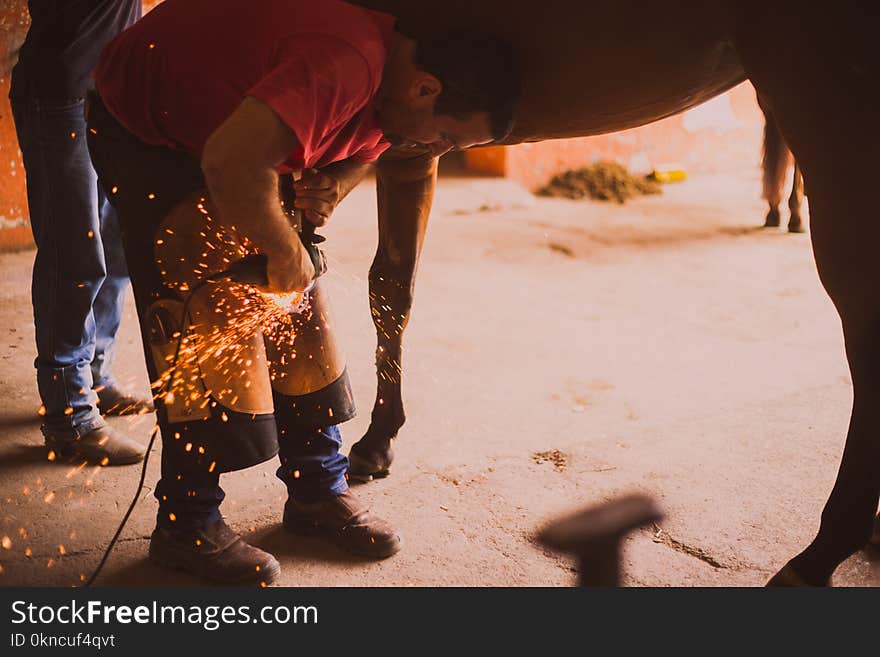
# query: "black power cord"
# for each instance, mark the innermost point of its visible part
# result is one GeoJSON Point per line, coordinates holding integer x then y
{"type": "Point", "coordinates": [250, 270]}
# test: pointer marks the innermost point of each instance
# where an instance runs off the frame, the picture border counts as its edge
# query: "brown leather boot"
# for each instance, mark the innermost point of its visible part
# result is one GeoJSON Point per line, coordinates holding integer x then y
{"type": "Point", "coordinates": [344, 520]}
{"type": "Point", "coordinates": [214, 553]}
{"type": "Point", "coordinates": [113, 400]}
{"type": "Point", "coordinates": [101, 446]}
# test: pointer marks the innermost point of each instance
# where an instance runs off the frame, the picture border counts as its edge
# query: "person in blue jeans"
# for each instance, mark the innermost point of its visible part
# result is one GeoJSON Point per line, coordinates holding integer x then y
{"type": "Point", "coordinates": [79, 277]}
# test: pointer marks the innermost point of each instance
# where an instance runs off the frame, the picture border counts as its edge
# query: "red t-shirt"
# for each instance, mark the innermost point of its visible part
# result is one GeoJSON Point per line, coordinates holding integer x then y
{"type": "Point", "coordinates": [176, 75]}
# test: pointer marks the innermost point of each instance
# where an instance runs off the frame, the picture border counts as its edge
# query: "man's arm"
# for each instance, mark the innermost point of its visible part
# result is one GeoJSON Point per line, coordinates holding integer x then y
{"type": "Point", "coordinates": [238, 162]}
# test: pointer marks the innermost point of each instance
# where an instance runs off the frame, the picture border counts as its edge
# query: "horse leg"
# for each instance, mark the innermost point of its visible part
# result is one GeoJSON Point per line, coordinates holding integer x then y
{"type": "Point", "coordinates": [774, 163]}
{"type": "Point", "coordinates": [795, 222]}
{"type": "Point", "coordinates": [834, 143]}
{"type": "Point", "coordinates": [405, 187]}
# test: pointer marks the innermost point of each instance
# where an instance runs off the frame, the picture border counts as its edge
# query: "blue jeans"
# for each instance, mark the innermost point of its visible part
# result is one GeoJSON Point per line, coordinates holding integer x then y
{"type": "Point", "coordinates": [79, 276]}
{"type": "Point", "coordinates": [311, 467]}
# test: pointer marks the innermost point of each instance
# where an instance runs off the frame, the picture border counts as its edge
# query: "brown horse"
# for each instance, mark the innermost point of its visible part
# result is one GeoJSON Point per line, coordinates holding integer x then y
{"type": "Point", "coordinates": [596, 66]}
{"type": "Point", "coordinates": [775, 163]}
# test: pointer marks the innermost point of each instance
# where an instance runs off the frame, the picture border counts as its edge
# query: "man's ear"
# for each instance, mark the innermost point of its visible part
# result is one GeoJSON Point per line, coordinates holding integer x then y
{"type": "Point", "coordinates": [426, 87]}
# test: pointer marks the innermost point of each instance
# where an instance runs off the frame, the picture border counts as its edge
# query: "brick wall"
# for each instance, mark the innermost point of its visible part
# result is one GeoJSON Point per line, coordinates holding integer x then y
{"type": "Point", "coordinates": [15, 232]}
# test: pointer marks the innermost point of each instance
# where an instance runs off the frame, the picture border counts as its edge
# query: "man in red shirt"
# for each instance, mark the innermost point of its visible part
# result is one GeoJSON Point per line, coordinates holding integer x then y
{"type": "Point", "coordinates": [199, 108]}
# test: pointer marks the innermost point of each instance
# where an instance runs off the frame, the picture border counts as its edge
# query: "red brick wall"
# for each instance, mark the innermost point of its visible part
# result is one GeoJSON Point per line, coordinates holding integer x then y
{"type": "Point", "coordinates": [15, 232]}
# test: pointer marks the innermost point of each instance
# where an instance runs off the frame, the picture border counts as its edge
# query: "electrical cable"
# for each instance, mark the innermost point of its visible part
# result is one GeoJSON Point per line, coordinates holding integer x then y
{"type": "Point", "coordinates": [211, 279]}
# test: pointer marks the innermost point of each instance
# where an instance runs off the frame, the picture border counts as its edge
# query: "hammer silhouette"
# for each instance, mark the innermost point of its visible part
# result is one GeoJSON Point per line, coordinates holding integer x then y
{"type": "Point", "coordinates": [594, 535]}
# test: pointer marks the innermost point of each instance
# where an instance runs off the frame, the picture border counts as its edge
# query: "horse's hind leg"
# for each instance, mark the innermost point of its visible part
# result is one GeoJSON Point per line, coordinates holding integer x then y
{"type": "Point", "coordinates": [795, 201]}
{"type": "Point", "coordinates": [835, 142]}
{"type": "Point", "coordinates": [774, 163]}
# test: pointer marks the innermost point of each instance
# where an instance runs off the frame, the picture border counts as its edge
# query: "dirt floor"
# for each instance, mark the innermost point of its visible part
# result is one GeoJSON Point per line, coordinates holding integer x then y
{"type": "Point", "coordinates": [560, 353]}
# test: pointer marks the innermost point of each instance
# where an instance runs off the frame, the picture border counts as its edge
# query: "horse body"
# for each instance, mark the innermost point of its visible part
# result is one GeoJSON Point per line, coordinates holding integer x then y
{"type": "Point", "coordinates": [602, 66]}
{"type": "Point", "coordinates": [595, 67]}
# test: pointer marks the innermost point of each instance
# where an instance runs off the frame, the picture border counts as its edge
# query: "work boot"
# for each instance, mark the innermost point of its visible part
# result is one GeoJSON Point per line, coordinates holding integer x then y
{"type": "Point", "coordinates": [112, 400]}
{"type": "Point", "coordinates": [215, 553]}
{"type": "Point", "coordinates": [101, 446]}
{"type": "Point", "coordinates": [344, 520]}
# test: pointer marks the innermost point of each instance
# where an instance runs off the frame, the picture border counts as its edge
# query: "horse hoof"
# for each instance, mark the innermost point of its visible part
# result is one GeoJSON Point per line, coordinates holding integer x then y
{"type": "Point", "coordinates": [362, 470]}
{"type": "Point", "coordinates": [787, 577]}
{"type": "Point", "coordinates": [795, 227]}
{"type": "Point", "coordinates": [772, 220]}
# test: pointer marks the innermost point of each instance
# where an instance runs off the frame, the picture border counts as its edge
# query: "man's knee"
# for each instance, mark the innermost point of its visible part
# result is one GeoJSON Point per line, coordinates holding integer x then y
{"type": "Point", "coordinates": [333, 404]}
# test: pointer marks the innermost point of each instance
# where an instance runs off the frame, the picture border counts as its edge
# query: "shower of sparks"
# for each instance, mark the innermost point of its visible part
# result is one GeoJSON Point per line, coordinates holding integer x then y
{"type": "Point", "coordinates": [225, 343]}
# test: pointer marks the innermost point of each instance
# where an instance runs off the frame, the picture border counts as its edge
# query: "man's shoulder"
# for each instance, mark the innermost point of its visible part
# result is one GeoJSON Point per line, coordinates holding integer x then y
{"type": "Point", "coordinates": [368, 32]}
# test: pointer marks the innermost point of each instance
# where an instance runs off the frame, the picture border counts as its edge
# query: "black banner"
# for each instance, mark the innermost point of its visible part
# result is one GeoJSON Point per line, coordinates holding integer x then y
{"type": "Point", "coordinates": [113, 621]}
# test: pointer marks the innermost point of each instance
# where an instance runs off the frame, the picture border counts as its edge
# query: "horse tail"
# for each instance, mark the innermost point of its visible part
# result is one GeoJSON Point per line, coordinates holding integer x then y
{"type": "Point", "coordinates": [776, 158]}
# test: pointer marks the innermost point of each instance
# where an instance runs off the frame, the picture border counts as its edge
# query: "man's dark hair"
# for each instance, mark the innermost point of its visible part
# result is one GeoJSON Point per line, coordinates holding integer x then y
{"type": "Point", "coordinates": [479, 73]}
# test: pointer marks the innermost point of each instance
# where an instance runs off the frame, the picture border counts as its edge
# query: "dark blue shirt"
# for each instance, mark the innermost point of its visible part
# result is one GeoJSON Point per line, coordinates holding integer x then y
{"type": "Point", "coordinates": [63, 44]}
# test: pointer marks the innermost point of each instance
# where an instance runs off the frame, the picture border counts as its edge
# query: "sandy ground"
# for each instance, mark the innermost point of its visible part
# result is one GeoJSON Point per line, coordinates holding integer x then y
{"type": "Point", "coordinates": [666, 346]}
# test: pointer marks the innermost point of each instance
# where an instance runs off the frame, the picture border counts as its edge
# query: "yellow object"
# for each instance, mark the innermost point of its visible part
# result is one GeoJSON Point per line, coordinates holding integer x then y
{"type": "Point", "coordinates": [669, 174]}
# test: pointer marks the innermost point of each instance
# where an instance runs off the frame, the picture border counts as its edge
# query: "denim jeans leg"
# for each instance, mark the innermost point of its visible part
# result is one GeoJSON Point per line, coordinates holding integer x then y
{"type": "Point", "coordinates": [69, 268]}
{"type": "Point", "coordinates": [110, 301]}
{"type": "Point", "coordinates": [189, 494]}
{"type": "Point", "coordinates": [311, 465]}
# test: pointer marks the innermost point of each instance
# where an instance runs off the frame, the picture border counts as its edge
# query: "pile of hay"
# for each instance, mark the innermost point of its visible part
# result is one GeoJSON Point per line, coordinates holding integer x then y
{"type": "Point", "coordinates": [604, 181]}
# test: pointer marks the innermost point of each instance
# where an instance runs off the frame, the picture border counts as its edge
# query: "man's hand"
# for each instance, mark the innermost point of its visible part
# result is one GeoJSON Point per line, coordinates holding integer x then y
{"type": "Point", "coordinates": [317, 195]}
{"type": "Point", "coordinates": [318, 192]}
{"type": "Point", "coordinates": [289, 269]}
